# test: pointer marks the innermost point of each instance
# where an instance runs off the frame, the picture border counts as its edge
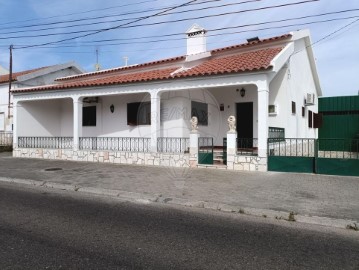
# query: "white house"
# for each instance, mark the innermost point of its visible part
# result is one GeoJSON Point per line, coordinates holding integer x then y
{"type": "Point", "coordinates": [140, 114]}
{"type": "Point", "coordinates": [28, 78]}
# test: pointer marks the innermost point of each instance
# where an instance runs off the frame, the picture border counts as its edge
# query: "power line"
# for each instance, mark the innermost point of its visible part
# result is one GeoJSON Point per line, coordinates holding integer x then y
{"type": "Point", "coordinates": [217, 29]}
{"type": "Point", "coordinates": [114, 27]}
{"type": "Point", "coordinates": [106, 16]}
{"type": "Point", "coordinates": [232, 33]}
{"type": "Point", "coordinates": [83, 12]}
{"type": "Point", "coordinates": [124, 26]}
{"type": "Point", "coordinates": [126, 19]}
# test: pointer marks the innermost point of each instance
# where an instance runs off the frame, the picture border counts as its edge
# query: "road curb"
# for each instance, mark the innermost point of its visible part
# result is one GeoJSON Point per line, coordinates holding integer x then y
{"type": "Point", "coordinates": [147, 199]}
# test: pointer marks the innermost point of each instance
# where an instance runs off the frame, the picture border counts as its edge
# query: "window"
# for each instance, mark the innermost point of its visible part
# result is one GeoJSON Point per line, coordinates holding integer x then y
{"type": "Point", "coordinates": [89, 116]}
{"type": "Point", "coordinates": [272, 109]}
{"type": "Point", "coordinates": [310, 119]}
{"type": "Point", "coordinates": [293, 107]}
{"type": "Point", "coordinates": [303, 111]}
{"type": "Point", "coordinates": [200, 110]}
{"type": "Point", "coordinates": [318, 120]}
{"type": "Point", "coordinates": [139, 113]}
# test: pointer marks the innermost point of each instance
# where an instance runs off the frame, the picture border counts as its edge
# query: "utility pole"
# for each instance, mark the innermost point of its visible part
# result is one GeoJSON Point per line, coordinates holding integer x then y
{"type": "Point", "coordinates": [10, 82]}
{"type": "Point", "coordinates": [97, 65]}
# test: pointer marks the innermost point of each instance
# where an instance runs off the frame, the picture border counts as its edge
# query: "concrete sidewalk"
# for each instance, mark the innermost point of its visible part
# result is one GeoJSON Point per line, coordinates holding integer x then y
{"type": "Point", "coordinates": [320, 199]}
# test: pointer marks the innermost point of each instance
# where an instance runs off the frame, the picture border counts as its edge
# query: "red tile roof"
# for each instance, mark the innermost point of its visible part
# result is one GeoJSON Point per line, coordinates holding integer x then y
{"type": "Point", "coordinates": [175, 59]}
{"type": "Point", "coordinates": [153, 63]}
{"type": "Point", "coordinates": [250, 61]}
{"type": "Point", "coordinates": [15, 75]}
{"type": "Point", "coordinates": [237, 62]}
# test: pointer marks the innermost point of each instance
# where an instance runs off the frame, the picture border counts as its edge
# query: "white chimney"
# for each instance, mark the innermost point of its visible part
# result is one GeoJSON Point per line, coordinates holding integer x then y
{"type": "Point", "coordinates": [196, 40]}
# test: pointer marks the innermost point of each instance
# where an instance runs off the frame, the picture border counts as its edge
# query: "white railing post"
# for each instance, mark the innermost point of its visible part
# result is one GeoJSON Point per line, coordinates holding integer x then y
{"type": "Point", "coordinates": [231, 142]}
{"type": "Point", "coordinates": [193, 142]}
{"type": "Point", "coordinates": [77, 101]}
{"type": "Point", "coordinates": [263, 96]}
{"type": "Point", "coordinates": [15, 123]}
{"type": "Point", "coordinates": [155, 120]}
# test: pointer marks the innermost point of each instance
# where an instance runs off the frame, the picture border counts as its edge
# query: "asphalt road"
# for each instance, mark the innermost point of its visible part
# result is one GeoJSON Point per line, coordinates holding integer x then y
{"type": "Point", "coordinates": [46, 229]}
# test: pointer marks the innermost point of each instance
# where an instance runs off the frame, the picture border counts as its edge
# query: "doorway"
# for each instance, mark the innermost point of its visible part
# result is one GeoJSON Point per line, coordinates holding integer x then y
{"type": "Point", "coordinates": [244, 118]}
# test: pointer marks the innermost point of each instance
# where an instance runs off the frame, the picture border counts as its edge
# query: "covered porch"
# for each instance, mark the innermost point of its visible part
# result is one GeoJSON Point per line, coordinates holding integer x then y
{"type": "Point", "coordinates": [143, 127]}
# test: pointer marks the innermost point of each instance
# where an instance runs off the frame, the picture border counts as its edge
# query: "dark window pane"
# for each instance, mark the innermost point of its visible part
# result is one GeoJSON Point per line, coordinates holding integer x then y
{"type": "Point", "coordinates": [139, 113]}
{"type": "Point", "coordinates": [293, 107]}
{"type": "Point", "coordinates": [200, 110]}
{"type": "Point", "coordinates": [303, 111]}
{"type": "Point", "coordinates": [310, 119]}
{"type": "Point", "coordinates": [89, 116]}
{"type": "Point", "coordinates": [318, 120]}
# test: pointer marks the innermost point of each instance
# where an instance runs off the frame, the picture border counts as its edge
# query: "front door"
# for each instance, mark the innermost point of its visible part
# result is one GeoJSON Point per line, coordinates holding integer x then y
{"type": "Point", "coordinates": [245, 120]}
{"type": "Point", "coordinates": [245, 124]}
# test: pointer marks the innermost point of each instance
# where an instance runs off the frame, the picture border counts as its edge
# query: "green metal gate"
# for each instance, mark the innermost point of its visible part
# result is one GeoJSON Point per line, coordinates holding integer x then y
{"type": "Point", "coordinates": [225, 151]}
{"type": "Point", "coordinates": [338, 157]}
{"type": "Point", "coordinates": [322, 156]}
{"type": "Point", "coordinates": [205, 150]}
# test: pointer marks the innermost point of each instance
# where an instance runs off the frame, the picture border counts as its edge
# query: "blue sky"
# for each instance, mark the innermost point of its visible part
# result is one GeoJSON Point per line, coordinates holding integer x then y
{"type": "Point", "coordinates": [337, 55]}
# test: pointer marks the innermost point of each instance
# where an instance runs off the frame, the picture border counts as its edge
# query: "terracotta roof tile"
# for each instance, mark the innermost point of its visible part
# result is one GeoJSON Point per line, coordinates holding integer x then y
{"type": "Point", "coordinates": [160, 74]}
{"type": "Point", "coordinates": [113, 70]}
{"type": "Point", "coordinates": [253, 43]}
{"type": "Point", "coordinates": [250, 61]}
{"type": "Point", "coordinates": [15, 75]}
{"type": "Point", "coordinates": [237, 62]}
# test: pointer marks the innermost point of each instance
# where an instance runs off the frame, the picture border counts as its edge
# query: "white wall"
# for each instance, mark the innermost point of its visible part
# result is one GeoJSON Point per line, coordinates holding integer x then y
{"type": "Point", "coordinates": [115, 124]}
{"type": "Point", "coordinates": [45, 118]}
{"type": "Point", "coordinates": [41, 80]}
{"type": "Point", "coordinates": [292, 83]}
{"type": "Point", "coordinates": [229, 97]}
{"type": "Point", "coordinates": [4, 90]}
{"type": "Point", "coordinates": [175, 113]}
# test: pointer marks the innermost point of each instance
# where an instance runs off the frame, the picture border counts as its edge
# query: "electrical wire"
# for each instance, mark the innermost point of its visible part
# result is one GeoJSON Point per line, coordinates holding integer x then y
{"type": "Point", "coordinates": [125, 26]}
{"type": "Point", "coordinates": [83, 12]}
{"type": "Point", "coordinates": [216, 30]}
{"type": "Point", "coordinates": [108, 16]}
{"type": "Point", "coordinates": [220, 34]}
{"type": "Point", "coordinates": [112, 28]}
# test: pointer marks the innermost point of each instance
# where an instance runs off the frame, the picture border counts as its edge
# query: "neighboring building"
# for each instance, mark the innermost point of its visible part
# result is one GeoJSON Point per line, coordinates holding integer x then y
{"type": "Point", "coordinates": [339, 117]}
{"type": "Point", "coordinates": [28, 78]}
{"type": "Point", "coordinates": [270, 85]}
{"type": "Point", "coordinates": [3, 71]}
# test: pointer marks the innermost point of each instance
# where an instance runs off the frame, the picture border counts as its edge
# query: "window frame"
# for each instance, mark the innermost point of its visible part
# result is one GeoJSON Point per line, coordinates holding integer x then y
{"type": "Point", "coordinates": [202, 121]}
{"type": "Point", "coordinates": [293, 107]}
{"type": "Point", "coordinates": [136, 108]}
{"type": "Point", "coordinates": [86, 117]}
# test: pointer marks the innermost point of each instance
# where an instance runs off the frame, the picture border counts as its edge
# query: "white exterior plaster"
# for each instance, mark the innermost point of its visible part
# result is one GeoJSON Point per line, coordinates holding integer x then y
{"type": "Point", "coordinates": [292, 83]}
{"type": "Point", "coordinates": [28, 81]}
{"type": "Point", "coordinates": [290, 80]}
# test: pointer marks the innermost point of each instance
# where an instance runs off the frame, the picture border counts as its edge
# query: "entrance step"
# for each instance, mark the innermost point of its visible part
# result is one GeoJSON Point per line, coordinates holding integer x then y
{"type": "Point", "coordinates": [214, 166]}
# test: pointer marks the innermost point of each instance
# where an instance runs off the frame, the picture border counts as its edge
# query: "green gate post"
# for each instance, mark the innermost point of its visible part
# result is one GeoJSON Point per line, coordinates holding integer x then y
{"type": "Point", "coordinates": [316, 150]}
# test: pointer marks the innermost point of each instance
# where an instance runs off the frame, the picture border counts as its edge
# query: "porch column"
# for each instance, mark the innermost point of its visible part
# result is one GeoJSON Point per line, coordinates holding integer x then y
{"type": "Point", "coordinates": [155, 120]}
{"type": "Point", "coordinates": [15, 107]}
{"type": "Point", "coordinates": [263, 96]}
{"type": "Point", "coordinates": [77, 101]}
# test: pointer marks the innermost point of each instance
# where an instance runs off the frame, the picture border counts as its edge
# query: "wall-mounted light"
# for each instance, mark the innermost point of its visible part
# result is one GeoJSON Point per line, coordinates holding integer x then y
{"type": "Point", "coordinates": [242, 92]}
{"type": "Point", "coordinates": [112, 108]}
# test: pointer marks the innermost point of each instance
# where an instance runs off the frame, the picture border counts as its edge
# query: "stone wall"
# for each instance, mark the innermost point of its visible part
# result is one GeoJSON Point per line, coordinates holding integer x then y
{"type": "Point", "coordinates": [246, 163]}
{"type": "Point", "coordinates": [234, 162]}
{"type": "Point", "coordinates": [156, 159]}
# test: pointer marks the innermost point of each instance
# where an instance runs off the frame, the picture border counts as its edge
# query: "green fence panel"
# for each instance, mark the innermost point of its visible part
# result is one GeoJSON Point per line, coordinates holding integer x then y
{"type": "Point", "coordinates": [338, 166]}
{"type": "Point", "coordinates": [205, 158]}
{"type": "Point", "coordinates": [291, 164]}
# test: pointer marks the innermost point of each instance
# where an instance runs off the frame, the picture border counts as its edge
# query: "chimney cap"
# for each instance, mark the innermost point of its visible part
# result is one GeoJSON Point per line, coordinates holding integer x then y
{"type": "Point", "coordinates": [249, 40]}
{"type": "Point", "coordinates": [194, 29]}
